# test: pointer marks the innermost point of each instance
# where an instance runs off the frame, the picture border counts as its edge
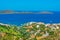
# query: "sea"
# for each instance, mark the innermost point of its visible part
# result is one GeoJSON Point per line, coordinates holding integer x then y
{"type": "Point", "coordinates": [18, 19]}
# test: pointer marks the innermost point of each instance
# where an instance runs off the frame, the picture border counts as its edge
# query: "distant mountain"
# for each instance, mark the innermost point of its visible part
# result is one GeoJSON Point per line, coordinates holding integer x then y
{"type": "Point", "coordinates": [6, 11]}
{"type": "Point", "coordinates": [28, 12]}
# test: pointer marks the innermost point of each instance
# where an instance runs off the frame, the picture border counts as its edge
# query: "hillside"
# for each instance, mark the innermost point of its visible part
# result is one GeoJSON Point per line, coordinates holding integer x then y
{"type": "Point", "coordinates": [30, 31]}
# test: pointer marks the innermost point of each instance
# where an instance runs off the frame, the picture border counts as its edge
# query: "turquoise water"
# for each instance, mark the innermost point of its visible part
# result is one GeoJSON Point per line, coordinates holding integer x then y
{"type": "Point", "coordinates": [18, 19]}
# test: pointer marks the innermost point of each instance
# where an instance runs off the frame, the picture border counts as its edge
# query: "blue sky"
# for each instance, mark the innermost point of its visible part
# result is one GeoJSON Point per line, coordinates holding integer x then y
{"type": "Point", "coordinates": [30, 5]}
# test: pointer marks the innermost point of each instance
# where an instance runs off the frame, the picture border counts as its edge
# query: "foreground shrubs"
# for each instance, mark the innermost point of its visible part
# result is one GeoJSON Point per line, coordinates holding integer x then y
{"type": "Point", "coordinates": [30, 31]}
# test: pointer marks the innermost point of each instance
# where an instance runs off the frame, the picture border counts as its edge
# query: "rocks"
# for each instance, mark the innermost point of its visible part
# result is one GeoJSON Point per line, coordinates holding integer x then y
{"type": "Point", "coordinates": [4, 24]}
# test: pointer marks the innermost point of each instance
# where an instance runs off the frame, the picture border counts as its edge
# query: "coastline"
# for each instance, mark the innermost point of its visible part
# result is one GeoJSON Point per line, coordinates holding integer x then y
{"type": "Point", "coordinates": [30, 31]}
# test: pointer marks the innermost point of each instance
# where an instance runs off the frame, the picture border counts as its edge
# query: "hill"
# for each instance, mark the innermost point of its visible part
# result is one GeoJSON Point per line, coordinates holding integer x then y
{"type": "Point", "coordinates": [30, 31]}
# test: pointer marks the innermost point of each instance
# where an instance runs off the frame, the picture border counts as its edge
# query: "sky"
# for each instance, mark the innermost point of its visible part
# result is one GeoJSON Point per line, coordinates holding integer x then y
{"type": "Point", "coordinates": [30, 5]}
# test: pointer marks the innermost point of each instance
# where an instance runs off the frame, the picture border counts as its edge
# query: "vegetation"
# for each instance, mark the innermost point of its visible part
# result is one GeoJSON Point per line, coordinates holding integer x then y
{"type": "Point", "coordinates": [30, 31]}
